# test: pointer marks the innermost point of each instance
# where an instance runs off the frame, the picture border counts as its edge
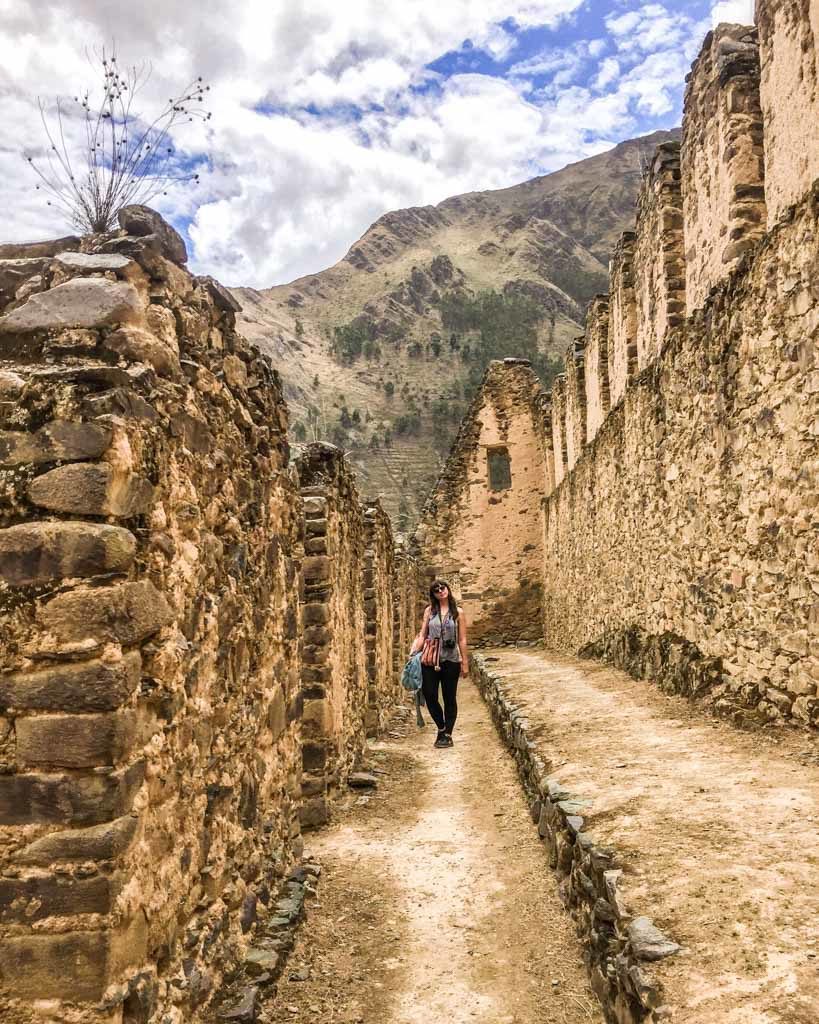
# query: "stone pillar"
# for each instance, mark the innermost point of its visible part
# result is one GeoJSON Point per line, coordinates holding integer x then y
{"type": "Point", "coordinates": [721, 159]}
{"type": "Point", "coordinates": [559, 427]}
{"type": "Point", "coordinates": [659, 272]}
{"type": "Point", "coordinates": [622, 355]}
{"type": "Point", "coordinates": [789, 93]}
{"type": "Point", "coordinates": [334, 675]}
{"type": "Point", "coordinates": [546, 431]}
{"type": "Point", "coordinates": [575, 403]}
{"type": "Point", "coordinates": [597, 365]}
{"type": "Point", "coordinates": [383, 686]}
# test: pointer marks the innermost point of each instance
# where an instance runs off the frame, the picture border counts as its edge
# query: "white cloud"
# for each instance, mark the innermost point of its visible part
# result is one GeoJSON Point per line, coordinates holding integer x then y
{"type": "Point", "coordinates": [325, 114]}
{"type": "Point", "coordinates": [738, 12]}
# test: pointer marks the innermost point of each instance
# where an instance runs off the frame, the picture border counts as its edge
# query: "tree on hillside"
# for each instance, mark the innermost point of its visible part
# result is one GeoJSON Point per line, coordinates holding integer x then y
{"type": "Point", "coordinates": [103, 155]}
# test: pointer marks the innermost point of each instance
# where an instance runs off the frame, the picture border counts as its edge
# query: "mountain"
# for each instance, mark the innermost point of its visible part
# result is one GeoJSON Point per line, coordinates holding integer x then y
{"type": "Point", "coordinates": [381, 352]}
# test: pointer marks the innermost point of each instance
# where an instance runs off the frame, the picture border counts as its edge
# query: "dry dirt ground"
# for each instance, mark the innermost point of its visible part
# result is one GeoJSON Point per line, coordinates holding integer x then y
{"type": "Point", "coordinates": [718, 831]}
{"type": "Point", "coordinates": [436, 903]}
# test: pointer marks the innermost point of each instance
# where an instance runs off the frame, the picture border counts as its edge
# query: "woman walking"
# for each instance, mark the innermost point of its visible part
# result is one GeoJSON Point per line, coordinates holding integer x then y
{"type": "Point", "coordinates": [445, 658]}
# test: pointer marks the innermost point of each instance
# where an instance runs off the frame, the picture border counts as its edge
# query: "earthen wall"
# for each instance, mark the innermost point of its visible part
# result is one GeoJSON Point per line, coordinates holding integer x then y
{"type": "Point", "coordinates": [482, 529]}
{"type": "Point", "coordinates": [558, 407]}
{"type": "Point", "coordinates": [789, 51]}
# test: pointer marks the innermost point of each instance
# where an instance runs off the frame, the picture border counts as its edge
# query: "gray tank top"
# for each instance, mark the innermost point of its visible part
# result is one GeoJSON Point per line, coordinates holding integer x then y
{"type": "Point", "coordinates": [447, 633]}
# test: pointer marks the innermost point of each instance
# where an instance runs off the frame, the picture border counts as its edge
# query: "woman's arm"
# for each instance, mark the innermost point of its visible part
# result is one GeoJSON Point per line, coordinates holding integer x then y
{"type": "Point", "coordinates": [418, 642]}
{"type": "Point", "coordinates": [462, 647]}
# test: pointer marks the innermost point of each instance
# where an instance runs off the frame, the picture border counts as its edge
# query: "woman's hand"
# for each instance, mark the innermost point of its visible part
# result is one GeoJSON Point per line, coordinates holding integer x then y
{"type": "Point", "coordinates": [465, 667]}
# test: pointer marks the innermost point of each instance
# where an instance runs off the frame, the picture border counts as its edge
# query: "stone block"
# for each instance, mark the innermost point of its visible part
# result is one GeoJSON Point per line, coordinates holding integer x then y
{"type": "Point", "coordinates": [81, 302]}
{"type": "Point", "coordinates": [34, 553]}
{"type": "Point", "coordinates": [75, 741]}
{"type": "Point", "coordinates": [26, 900]}
{"type": "Point", "coordinates": [93, 263]}
{"type": "Point", "coordinates": [277, 715]}
{"type": "Point", "coordinates": [316, 614]}
{"type": "Point", "coordinates": [92, 489]}
{"type": "Point", "coordinates": [55, 799]}
{"type": "Point", "coordinates": [143, 222]}
{"type": "Point", "coordinates": [100, 842]}
{"type": "Point", "coordinates": [58, 440]}
{"type": "Point", "coordinates": [126, 614]}
{"type": "Point", "coordinates": [314, 757]}
{"type": "Point", "coordinates": [38, 966]}
{"type": "Point", "coordinates": [136, 345]}
{"type": "Point", "coordinates": [86, 686]}
{"type": "Point", "coordinates": [317, 568]}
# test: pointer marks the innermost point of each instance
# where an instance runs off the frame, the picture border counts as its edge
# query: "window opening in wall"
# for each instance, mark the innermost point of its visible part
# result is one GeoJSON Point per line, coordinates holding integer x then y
{"type": "Point", "coordinates": [500, 469]}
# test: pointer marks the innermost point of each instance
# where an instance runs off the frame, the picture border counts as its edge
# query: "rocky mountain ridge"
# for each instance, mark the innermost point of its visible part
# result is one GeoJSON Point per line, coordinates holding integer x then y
{"type": "Point", "coordinates": [376, 352]}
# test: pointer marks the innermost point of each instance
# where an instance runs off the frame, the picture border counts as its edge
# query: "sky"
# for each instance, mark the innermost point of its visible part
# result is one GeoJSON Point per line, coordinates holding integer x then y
{"type": "Point", "coordinates": [328, 113]}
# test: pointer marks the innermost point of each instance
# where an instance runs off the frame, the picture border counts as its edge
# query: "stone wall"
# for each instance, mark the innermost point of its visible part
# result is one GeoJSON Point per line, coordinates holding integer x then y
{"type": "Point", "coordinates": [150, 660]}
{"type": "Point", "coordinates": [575, 402]}
{"type": "Point", "coordinates": [685, 536]}
{"type": "Point", "coordinates": [383, 683]}
{"type": "Point", "coordinates": [409, 601]}
{"type": "Point", "coordinates": [335, 661]}
{"type": "Point", "coordinates": [722, 161]}
{"type": "Point", "coordinates": [788, 34]}
{"type": "Point", "coordinates": [558, 407]}
{"type": "Point", "coordinates": [622, 336]}
{"type": "Point", "coordinates": [658, 269]}
{"type": "Point", "coordinates": [598, 398]}
{"type": "Point", "coordinates": [482, 529]}
{"type": "Point", "coordinates": [184, 655]}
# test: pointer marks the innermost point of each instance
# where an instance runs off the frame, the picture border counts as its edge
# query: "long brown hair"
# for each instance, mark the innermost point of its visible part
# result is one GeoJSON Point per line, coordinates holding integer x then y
{"type": "Point", "coordinates": [435, 604]}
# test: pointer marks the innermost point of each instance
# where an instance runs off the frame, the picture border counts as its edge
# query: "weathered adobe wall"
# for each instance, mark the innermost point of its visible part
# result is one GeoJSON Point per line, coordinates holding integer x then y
{"type": "Point", "coordinates": [788, 34]}
{"type": "Point", "coordinates": [489, 541]}
{"type": "Point", "coordinates": [722, 159]}
{"type": "Point", "coordinates": [598, 398]}
{"type": "Point", "coordinates": [383, 684]}
{"type": "Point", "coordinates": [684, 541]}
{"type": "Point", "coordinates": [622, 331]}
{"type": "Point", "coordinates": [149, 664]}
{"type": "Point", "coordinates": [658, 268]}
{"type": "Point", "coordinates": [335, 664]}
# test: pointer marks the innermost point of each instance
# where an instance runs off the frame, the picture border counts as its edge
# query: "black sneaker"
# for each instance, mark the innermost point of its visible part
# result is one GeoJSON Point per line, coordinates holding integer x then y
{"type": "Point", "coordinates": [448, 740]}
{"type": "Point", "coordinates": [440, 739]}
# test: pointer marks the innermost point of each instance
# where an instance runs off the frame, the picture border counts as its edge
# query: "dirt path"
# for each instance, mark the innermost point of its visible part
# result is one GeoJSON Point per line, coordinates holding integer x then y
{"type": "Point", "coordinates": [436, 903]}
{"type": "Point", "coordinates": [718, 831]}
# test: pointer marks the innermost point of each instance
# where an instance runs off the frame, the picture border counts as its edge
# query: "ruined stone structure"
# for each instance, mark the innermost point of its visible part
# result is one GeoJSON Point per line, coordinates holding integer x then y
{"type": "Point", "coordinates": [182, 631]}
{"type": "Point", "coordinates": [335, 669]}
{"type": "Point", "coordinates": [482, 528]}
{"type": "Point", "coordinates": [679, 536]}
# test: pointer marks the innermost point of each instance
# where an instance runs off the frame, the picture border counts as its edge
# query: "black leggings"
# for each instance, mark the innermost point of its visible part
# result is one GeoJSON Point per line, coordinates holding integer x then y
{"type": "Point", "coordinates": [447, 679]}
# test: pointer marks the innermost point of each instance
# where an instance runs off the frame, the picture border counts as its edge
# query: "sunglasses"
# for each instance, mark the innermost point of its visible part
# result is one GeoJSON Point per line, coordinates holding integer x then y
{"type": "Point", "coordinates": [439, 589]}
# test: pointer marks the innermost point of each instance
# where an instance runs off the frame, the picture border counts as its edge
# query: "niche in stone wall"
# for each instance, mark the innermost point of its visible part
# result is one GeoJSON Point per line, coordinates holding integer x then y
{"type": "Point", "coordinates": [500, 469]}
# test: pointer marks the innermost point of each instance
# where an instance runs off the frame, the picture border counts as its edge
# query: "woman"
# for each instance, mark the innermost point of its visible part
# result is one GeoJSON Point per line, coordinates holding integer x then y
{"type": "Point", "coordinates": [445, 623]}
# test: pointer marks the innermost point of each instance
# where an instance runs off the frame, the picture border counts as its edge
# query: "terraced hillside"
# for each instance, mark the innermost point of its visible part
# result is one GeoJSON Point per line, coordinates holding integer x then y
{"type": "Point", "coordinates": [381, 352]}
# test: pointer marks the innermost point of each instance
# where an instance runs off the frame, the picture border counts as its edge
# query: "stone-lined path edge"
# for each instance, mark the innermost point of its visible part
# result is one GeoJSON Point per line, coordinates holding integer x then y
{"type": "Point", "coordinates": [617, 945]}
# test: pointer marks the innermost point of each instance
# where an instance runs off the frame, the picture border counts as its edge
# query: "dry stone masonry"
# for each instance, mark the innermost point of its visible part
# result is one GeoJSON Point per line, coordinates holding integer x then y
{"type": "Point", "coordinates": [169, 590]}
{"type": "Point", "coordinates": [680, 531]}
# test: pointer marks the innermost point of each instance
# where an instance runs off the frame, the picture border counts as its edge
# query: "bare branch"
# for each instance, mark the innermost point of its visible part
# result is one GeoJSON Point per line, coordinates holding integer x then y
{"type": "Point", "coordinates": [127, 158]}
